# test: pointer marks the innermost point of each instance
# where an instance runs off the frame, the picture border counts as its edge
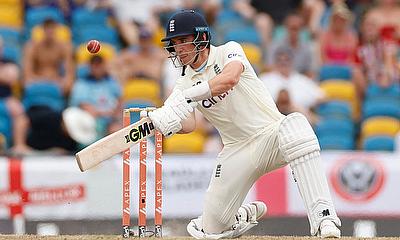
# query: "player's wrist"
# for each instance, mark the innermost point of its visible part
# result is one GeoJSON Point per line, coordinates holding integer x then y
{"type": "Point", "coordinates": [199, 92]}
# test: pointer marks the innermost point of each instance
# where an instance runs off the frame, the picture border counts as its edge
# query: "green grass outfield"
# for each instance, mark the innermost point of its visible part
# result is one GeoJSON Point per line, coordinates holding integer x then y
{"type": "Point", "coordinates": [111, 237]}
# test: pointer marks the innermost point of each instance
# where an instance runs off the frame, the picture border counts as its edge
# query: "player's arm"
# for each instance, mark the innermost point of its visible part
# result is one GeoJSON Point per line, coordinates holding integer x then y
{"type": "Point", "coordinates": [228, 78]}
{"type": "Point", "coordinates": [235, 64]}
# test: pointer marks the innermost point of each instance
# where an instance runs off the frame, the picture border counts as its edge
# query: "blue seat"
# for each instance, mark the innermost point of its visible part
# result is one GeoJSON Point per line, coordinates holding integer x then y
{"type": "Point", "coordinates": [10, 35]}
{"type": "Point", "coordinates": [83, 17]}
{"type": "Point", "coordinates": [336, 142]}
{"type": "Point", "coordinates": [381, 107]}
{"type": "Point", "coordinates": [247, 34]}
{"type": "Point", "coordinates": [5, 122]}
{"type": "Point", "coordinates": [228, 16]}
{"type": "Point", "coordinates": [335, 72]}
{"type": "Point", "coordinates": [82, 71]}
{"type": "Point", "coordinates": [335, 109]}
{"type": "Point", "coordinates": [44, 94]}
{"type": "Point", "coordinates": [333, 126]}
{"type": "Point", "coordinates": [103, 34]}
{"type": "Point", "coordinates": [37, 15]}
{"type": "Point", "coordinates": [378, 143]}
{"type": "Point", "coordinates": [12, 53]}
{"type": "Point", "coordinates": [374, 90]}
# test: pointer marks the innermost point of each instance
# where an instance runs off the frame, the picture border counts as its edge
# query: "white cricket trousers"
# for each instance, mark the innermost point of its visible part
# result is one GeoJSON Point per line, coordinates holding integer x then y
{"type": "Point", "coordinates": [237, 168]}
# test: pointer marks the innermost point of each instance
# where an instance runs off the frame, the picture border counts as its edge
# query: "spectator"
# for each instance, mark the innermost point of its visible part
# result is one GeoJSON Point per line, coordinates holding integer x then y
{"type": "Point", "coordinates": [286, 106]}
{"type": "Point", "coordinates": [338, 43]}
{"type": "Point", "coordinates": [142, 61]}
{"type": "Point", "coordinates": [60, 132]}
{"type": "Point", "coordinates": [285, 77]}
{"type": "Point", "coordinates": [302, 60]}
{"type": "Point", "coordinates": [376, 58]}
{"type": "Point", "coordinates": [100, 95]}
{"type": "Point", "coordinates": [386, 16]}
{"type": "Point", "coordinates": [49, 59]}
{"type": "Point", "coordinates": [9, 76]}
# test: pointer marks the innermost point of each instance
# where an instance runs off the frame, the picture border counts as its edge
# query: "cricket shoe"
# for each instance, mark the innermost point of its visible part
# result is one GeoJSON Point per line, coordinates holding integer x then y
{"type": "Point", "coordinates": [328, 229]}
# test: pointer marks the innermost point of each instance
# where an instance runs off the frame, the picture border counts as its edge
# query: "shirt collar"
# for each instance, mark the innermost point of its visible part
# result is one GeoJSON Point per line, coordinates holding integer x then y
{"type": "Point", "coordinates": [210, 61]}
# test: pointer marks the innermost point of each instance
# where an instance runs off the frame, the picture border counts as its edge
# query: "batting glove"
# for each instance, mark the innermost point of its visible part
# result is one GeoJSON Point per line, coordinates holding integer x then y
{"type": "Point", "coordinates": [166, 120]}
{"type": "Point", "coordinates": [179, 103]}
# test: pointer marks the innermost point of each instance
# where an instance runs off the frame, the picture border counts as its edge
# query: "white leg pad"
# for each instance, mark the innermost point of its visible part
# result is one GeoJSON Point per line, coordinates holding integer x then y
{"type": "Point", "coordinates": [300, 148]}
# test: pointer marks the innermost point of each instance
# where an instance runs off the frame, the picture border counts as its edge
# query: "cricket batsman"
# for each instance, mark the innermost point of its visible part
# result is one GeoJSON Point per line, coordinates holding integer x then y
{"type": "Point", "coordinates": [257, 138]}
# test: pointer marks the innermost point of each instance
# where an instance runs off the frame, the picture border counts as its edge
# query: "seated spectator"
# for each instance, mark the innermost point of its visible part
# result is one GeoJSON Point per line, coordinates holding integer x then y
{"type": "Point", "coordinates": [338, 43]}
{"type": "Point", "coordinates": [9, 76]}
{"type": "Point", "coordinates": [375, 57]}
{"type": "Point", "coordinates": [60, 132]}
{"type": "Point", "coordinates": [142, 61]}
{"type": "Point", "coordinates": [285, 105]}
{"type": "Point", "coordinates": [285, 77]}
{"type": "Point", "coordinates": [302, 51]}
{"type": "Point", "coordinates": [49, 59]}
{"type": "Point", "coordinates": [100, 95]}
{"type": "Point", "coordinates": [386, 16]}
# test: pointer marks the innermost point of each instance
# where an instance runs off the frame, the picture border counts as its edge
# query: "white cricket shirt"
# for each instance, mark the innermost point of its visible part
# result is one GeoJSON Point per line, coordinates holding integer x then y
{"type": "Point", "coordinates": [243, 110]}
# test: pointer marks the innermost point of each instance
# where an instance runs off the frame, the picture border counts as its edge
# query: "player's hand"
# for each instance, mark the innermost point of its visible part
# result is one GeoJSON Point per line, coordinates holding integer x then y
{"type": "Point", "coordinates": [179, 103]}
{"type": "Point", "coordinates": [166, 120]}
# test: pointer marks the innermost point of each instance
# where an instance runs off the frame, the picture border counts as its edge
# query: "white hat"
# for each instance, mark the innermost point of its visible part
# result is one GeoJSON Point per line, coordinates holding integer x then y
{"type": "Point", "coordinates": [80, 125]}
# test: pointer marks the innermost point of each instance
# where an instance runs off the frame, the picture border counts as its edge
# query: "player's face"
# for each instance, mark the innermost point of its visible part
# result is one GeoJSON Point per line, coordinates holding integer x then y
{"type": "Point", "coordinates": [184, 48]}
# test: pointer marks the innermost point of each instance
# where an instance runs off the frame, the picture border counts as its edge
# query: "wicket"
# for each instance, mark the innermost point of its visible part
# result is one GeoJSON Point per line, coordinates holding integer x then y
{"type": "Point", "coordinates": [126, 176]}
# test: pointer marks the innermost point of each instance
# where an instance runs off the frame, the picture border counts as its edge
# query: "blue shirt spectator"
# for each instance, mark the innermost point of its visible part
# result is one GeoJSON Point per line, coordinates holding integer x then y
{"type": "Point", "coordinates": [99, 94]}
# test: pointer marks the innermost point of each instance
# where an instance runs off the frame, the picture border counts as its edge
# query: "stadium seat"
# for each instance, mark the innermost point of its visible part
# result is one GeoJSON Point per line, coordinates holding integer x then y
{"type": "Point", "coordinates": [253, 54]}
{"type": "Point", "coordinates": [82, 71]}
{"type": "Point", "coordinates": [335, 109]}
{"type": "Point", "coordinates": [374, 91]}
{"type": "Point", "coordinates": [5, 122]}
{"type": "Point", "coordinates": [228, 16]}
{"type": "Point", "coordinates": [10, 35]}
{"type": "Point", "coordinates": [373, 107]}
{"type": "Point", "coordinates": [336, 142]}
{"type": "Point", "coordinates": [12, 53]}
{"type": "Point", "coordinates": [246, 34]}
{"type": "Point", "coordinates": [43, 94]}
{"type": "Point", "coordinates": [83, 56]}
{"type": "Point", "coordinates": [185, 143]}
{"type": "Point", "coordinates": [11, 16]}
{"type": "Point", "coordinates": [342, 91]}
{"type": "Point", "coordinates": [103, 34]}
{"type": "Point", "coordinates": [85, 17]}
{"type": "Point", "coordinates": [63, 33]}
{"type": "Point", "coordinates": [37, 15]}
{"type": "Point", "coordinates": [142, 90]}
{"type": "Point", "coordinates": [327, 72]}
{"type": "Point", "coordinates": [332, 126]}
{"type": "Point", "coordinates": [378, 143]}
{"type": "Point", "coordinates": [380, 126]}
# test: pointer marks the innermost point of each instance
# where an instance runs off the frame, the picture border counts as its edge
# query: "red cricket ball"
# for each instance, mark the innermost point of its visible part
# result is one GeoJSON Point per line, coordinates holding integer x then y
{"type": "Point", "coordinates": [93, 46]}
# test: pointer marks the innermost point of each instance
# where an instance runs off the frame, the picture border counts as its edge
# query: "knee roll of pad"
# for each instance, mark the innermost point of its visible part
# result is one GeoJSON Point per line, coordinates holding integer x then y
{"type": "Point", "coordinates": [296, 137]}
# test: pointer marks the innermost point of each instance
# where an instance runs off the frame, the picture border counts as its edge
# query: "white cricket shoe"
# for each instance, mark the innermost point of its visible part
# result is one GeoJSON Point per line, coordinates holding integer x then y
{"type": "Point", "coordinates": [328, 229]}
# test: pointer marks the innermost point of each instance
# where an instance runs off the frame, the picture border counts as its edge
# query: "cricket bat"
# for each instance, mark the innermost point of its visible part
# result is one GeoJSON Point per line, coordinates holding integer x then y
{"type": "Point", "coordinates": [114, 143]}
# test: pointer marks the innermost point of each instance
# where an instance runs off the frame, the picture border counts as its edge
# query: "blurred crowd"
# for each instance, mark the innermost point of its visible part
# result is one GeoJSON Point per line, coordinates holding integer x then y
{"type": "Point", "coordinates": [336, 61]}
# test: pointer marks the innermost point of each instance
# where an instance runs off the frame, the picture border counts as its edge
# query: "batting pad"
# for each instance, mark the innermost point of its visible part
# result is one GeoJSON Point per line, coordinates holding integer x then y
{"type": "Point", "coordinates": [300, 148]}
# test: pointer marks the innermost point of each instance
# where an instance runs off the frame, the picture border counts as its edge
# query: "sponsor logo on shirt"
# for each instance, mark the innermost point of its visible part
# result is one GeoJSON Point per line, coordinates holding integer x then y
{"type": "Point", "coordinates": [231, 55]}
